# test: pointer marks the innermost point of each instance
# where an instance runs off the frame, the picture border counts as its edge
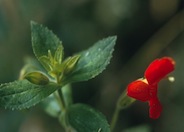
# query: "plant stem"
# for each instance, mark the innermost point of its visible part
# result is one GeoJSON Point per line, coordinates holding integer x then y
{"type": "Point", "coordinates": [56, 95]}
{"type": "Point", "coordinates": [67, 94]}
{"type": "Point", "coordinates": [114, 118]}
{"type": "Point", "coordinates": [59, 91]}
{"type": "Point", "coordinates": [62, 103]}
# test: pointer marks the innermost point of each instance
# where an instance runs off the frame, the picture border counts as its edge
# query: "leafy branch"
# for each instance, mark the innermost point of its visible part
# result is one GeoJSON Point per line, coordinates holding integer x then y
{"type": "Point", "coordinates": [39, 83]}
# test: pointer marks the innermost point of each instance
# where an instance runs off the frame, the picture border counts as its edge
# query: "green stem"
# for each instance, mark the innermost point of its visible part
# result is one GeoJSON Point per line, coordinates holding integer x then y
{"type": "Point", "coordinates": [59, 100]}
{"type": "Point", "coordinates": [123, 102]}
{"type": "Point", "coordinates": [59, 91]}
{"type": "Point", "coordinates": [67, 94]}
{"type": "Point", "coordinates": [114, 119]}
{"type": "Point", "coordinates": [62, 103]}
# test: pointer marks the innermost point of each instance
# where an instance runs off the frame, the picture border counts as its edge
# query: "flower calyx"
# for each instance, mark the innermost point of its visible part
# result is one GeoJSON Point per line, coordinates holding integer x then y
{"type": "Point", "coordinates": [55, 66]}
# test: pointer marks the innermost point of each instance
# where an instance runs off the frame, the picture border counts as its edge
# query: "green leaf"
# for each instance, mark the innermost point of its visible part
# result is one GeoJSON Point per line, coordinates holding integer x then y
{"type": "Point", "coordinates": [93, 61]}
{"type": "Point", "coordinates": [43, 40]}
{"type": "Point", "coordinates": [84, 118]}
{"type": "Point", "coordinates": [23, 94]}
{"type": "Point", "coordinates": [45, 61]}
{"type": "Point", "coordinates": [59, 54]}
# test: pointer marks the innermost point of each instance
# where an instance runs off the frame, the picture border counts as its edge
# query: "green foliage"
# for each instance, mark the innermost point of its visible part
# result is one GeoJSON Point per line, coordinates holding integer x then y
{"type": "Point", "coordinates": [85, 65]}
{"type": "Point", "coordinates": [84, 118]}
{"type": "Point", "coordinates": [23, 94]}
{"type": "Point", "coordinates": [37, 83]}
{"type": "Point", "coordinates": [93, 61]}
{"type": "Point", "coordinates": [43, 40]}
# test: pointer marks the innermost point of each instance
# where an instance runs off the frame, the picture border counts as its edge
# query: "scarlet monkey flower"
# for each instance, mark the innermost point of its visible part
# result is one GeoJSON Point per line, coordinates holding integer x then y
{"type": "Point", "coordinates": [145, 89]}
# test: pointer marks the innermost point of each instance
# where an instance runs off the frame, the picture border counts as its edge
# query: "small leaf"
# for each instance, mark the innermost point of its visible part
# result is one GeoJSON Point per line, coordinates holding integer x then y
{"type": "Point", "coordinates": [37, 78]}
{"type": "Point", "coordinates": [93, 61]}
{"type": "Point", "coordinates": [50, 56]}
{"type": "Point", "coordinates": [23, 94]}
{"type": "Point", "coordinates": [43, 40]}
{"type": "Point", "coordinates": [45, 61]}
{"type": "Point", "coordinates": [58, 56]}
{"type": "Point", "coordinates": [84, 118]}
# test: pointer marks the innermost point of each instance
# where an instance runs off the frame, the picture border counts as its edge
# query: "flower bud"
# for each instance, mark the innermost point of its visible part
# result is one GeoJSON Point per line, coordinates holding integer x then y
{"type": "Point", "coordinates": [70, 63]}
{"type": "Point", "coordinates": [37, 78]}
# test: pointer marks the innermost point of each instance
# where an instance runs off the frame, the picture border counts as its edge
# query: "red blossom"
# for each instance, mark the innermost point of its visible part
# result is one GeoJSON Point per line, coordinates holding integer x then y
{"type": "Point", "coordinates": [155, 108]}
{"type": "Point", "coordinates": [139, 90]}
{"type": "Point", "coordinates": [158, 69]}
{"type": "Point", "coordinates": [146, 89]}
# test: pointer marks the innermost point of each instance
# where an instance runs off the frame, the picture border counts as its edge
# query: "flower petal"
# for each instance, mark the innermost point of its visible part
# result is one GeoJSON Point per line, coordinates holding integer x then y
{"type": "Point", "coordinates": [155, 108]}
{"type": "Point", "coordinates": [139, 90]}
{"type": "Point", "coordinates": [158, 69]}
{"type": "Point", "coordinates": [153, 90]}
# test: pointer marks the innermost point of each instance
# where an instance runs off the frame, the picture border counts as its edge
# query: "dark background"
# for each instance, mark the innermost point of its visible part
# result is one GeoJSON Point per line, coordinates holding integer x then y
{"type": "Point", "coordinates": [146, 29]}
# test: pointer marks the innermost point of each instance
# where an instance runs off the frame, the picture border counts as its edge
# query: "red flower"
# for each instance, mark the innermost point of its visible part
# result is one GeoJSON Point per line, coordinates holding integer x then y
{"type": "Point", "coordinates": [145, 89]}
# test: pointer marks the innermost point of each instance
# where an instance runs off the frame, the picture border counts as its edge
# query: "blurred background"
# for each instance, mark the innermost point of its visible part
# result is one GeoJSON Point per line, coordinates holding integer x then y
{"type": "Point", "coordinates": [146, 29]}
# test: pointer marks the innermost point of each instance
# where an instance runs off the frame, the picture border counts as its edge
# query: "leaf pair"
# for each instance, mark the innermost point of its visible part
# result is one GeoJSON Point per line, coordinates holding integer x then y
{"type": "Point", "coordinates": [36, 84]}
{"type": "Point", "coordinates": [23, 94]}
